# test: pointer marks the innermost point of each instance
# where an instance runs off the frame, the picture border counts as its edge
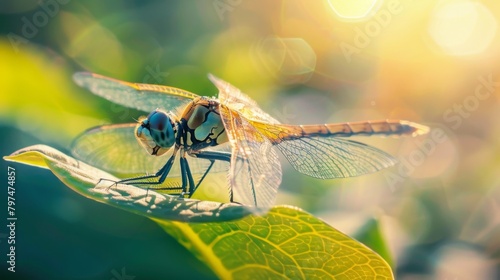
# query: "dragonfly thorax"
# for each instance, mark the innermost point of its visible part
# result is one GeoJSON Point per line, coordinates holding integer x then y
{"type": "Point", "coordinates": [201, 125]}
{"type": "Point", "coordinates": [157, 132]}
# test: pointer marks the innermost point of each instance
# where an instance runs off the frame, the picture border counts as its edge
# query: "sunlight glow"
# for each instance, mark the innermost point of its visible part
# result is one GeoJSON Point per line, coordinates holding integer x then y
{"type": "Point", "coordinates": [353, 9]}
{"type": "Point", "coordinates": [462, 27]}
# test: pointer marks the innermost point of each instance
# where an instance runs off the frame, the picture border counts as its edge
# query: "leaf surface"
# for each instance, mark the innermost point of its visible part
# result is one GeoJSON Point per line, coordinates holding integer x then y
{"type": "Point", "coordinates": [234, 241]}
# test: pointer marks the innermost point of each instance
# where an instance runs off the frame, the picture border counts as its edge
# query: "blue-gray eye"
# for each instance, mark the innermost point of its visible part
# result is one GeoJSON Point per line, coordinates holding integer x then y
{"type": "Point", "coordinates": [161, 129]}
{"type": "Point", "coordinates": [158, 120]}
{"type": "Point", "coordinates": [156, 133]}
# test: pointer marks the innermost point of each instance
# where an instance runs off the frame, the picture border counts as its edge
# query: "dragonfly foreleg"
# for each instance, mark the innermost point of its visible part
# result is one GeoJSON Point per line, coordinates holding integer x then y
{"type": "Point", "coordinates": [108, 180]}
{"type": "Point", "coordinates": [160, 176]}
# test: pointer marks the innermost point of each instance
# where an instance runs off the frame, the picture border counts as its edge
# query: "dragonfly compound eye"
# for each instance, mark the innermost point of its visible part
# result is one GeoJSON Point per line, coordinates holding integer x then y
{"type": "Point", "coordinates": [156, 133]}
{"type": "Point", "coordinates": [161, 129]}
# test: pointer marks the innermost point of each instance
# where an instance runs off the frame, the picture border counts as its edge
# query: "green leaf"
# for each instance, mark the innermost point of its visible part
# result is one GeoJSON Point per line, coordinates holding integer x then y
{"type": "Point", "coordinates": [371, 235]}
{"type": "Point", "coordinates": [235, 243]}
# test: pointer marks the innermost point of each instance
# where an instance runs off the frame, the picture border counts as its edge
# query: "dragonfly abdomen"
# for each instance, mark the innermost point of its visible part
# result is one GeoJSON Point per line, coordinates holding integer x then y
{"type": "Point", "coordinates": [366, 128]}
{"type": "Point", "coordinates": [277, 133]}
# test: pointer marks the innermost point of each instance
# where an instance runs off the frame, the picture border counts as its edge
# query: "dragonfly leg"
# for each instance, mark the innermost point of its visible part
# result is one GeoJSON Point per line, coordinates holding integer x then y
{"type": "Point", "coordinates": [212, 157]}
{"type": "Point", "coordinates": [159, 176]}
{"type": "Point", "coordinates": [187, 178]}
{"type": "Point", "coordinates": [107, 180]}
{"type": "Point", "coordinates": [204, 175]}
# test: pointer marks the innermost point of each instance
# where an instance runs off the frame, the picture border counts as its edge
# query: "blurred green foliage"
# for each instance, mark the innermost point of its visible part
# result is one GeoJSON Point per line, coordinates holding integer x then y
{"type": "Point", "coordinates": [419, 60]}
{"type": "Point", "coordinates": [371, 235]}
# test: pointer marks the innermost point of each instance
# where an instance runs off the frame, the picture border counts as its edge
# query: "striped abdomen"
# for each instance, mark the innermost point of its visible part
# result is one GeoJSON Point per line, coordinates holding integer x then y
{"type": "Point", "coordinates": [280, 132]}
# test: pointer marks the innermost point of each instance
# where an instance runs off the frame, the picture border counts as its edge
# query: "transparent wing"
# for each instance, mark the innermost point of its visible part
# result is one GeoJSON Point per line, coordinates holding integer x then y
{"type": "Point", "coordinates": [144, 97]}
{"type": "Point", "coordinates": [314, 151]}
{"type": "Point", "coordinates": [328, 158]}
{"type": "Point", "coordinates": [114, 148]}
{"type": "Point", "coordinates": [255, 172]}
{"type": "Point", "coordinates": [237, 101]}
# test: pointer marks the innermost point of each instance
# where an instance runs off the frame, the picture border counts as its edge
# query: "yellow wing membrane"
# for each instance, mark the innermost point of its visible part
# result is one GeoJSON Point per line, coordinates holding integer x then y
{"type": "Point", "coordinates": [144, 97]}
{"type": "Point", "coordinates": [255, 172]}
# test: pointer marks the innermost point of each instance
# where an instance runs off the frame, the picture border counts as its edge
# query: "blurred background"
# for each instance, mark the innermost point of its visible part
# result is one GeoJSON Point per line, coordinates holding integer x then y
{"type": "Point", "coordinates": [304, 62]}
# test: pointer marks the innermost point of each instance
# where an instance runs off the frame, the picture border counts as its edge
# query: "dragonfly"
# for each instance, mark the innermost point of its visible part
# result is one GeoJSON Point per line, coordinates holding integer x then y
{"type": "Point", "coordinates": [229, 134]}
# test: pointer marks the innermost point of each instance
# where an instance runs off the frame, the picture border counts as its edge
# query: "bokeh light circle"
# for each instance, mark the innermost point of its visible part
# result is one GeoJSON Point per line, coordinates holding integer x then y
{"type": "Point", "coordinates": [462, 27]}
{"type": "Point", "coordinates": [354, 9]}
{"type": "Point", "coordinates": [291, 59]}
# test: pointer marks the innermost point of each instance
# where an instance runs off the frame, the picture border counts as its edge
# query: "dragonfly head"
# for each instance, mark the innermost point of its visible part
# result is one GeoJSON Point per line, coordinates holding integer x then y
{"type": "Point", "coordinates": [156, 133]}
